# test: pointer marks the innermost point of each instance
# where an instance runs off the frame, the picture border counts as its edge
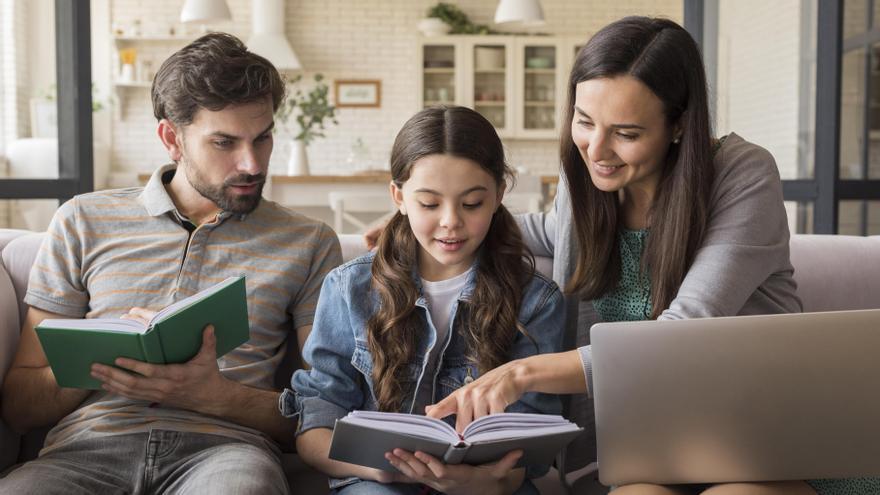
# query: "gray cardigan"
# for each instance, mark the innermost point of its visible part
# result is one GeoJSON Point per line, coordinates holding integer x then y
{"type": "Point", "coordinates": [742, 268]}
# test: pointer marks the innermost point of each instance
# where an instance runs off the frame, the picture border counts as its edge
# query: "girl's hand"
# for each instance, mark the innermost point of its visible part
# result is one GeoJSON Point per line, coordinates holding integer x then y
{"type": "Point", "coordinates": [488, 394]}
{"type": "Point", "coordinates": [486, 479]}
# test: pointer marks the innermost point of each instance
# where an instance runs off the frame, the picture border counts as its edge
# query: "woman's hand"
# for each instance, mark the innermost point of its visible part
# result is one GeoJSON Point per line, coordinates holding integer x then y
{"type": "Point", "coordinates": [486, 479]}
{"type": "Point", "coordinates": [560, 373]}
{"type": "Point", "coordinates": [489, 394]}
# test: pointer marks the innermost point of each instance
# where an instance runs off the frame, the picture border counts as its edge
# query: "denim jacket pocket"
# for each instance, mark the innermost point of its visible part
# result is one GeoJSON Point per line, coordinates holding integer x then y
{"type": "Point", "coordinates": [454, 375]}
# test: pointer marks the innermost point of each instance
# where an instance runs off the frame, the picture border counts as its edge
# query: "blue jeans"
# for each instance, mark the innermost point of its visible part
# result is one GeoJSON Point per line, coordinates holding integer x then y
{"type": "Point", "coordinates": [160, 461]}
{"type": "Point", "coordinates": [375, 488]}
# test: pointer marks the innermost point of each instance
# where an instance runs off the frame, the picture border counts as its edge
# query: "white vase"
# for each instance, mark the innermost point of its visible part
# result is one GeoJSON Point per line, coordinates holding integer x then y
{"type": "Point", "coordinates": [432, 26]}
{"type": "Point", "coordinates": [298, 164]}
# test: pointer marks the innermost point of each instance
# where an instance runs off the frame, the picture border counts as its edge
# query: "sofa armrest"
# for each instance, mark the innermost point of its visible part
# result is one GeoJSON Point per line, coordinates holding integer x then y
{"type": "Point", "coordinates": [10, 331]}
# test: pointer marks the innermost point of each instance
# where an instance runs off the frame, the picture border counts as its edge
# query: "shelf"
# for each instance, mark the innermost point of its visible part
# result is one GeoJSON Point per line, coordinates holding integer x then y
{"type": "Point", "coordinates": [434, 103]}
{"type": "Point", "coordinates": [444, 70]}
{"type": "Point", "coordinates": [541, 71]}
{"type": "Point", "coordinates": [152, 39]}
{"type": "Point", "coordinates": [489, 103]}
{"type": "Point", "coordinates": [490, 71]}
{"type": "Point", "coordinates": [133, 84]}
{"type": "Point", "coordinates": [540, 103]}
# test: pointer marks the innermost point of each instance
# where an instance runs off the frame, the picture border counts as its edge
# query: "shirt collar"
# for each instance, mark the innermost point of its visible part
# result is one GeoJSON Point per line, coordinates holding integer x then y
{"type": "Point", "coordinates": [157, 201]}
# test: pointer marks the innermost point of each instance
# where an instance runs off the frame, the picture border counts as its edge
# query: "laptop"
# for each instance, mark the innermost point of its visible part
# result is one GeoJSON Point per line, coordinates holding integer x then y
{"type": "Point", "coordinates": [747, 398]}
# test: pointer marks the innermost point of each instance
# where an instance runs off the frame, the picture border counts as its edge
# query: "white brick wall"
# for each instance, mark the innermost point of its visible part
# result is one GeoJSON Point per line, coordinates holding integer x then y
{"type": "Point", "coordinates": [356, 39]}
{"type": "Point", "coordinates": [758, 91]}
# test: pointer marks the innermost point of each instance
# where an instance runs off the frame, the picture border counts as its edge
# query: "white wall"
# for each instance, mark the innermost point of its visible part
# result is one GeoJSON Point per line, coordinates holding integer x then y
{"type": "Point", "coordinates": [354, 39]}
{"type": "Point", "coordinates": [758, 90]}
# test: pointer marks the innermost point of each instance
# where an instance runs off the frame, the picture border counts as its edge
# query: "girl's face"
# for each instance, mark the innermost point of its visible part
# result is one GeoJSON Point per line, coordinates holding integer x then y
{"type": "Point", "coordinates": [449, 202]}
{"type": "Point", "coordinates": [621, 132]}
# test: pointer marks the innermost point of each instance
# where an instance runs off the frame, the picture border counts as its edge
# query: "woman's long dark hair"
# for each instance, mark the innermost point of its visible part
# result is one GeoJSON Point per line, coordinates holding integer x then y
{"type": "Point", "coordinates": [504, 266]}
{"type": "Point", "coordinates": [664, 57]}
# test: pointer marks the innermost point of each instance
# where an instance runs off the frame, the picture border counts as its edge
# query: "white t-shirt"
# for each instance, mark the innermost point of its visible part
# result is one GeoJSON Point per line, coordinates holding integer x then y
{"type": "Point", "coordinates": [440, 296]}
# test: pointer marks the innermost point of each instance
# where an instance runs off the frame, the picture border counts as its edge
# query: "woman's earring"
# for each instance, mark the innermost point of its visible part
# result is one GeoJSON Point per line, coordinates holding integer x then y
{"type": "Point", "coordinates": [676, 140]}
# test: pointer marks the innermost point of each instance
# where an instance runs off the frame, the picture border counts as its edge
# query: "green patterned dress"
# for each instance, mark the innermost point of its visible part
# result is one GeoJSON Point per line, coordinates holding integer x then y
{"type": "Point", "coordinates": [631, 301]}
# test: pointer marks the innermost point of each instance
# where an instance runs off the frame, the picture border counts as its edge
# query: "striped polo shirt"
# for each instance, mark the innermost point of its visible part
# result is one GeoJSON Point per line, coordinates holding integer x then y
{"type": "Point", "coordinates": [108, 251]}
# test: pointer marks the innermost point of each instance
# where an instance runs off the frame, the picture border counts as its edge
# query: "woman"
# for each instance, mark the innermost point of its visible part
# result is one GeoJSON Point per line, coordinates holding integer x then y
{"type": "Point", "coordinates": [654, 219]}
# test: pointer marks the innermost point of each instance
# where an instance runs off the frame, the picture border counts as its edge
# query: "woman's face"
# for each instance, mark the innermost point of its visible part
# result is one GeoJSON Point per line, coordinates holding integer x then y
{"type": "Point", "coordinates": [621, 132]}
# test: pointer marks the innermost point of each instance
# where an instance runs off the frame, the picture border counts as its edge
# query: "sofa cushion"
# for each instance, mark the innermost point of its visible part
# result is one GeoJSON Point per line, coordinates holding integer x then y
{"type": "Point", "coordinates": [837, 272]}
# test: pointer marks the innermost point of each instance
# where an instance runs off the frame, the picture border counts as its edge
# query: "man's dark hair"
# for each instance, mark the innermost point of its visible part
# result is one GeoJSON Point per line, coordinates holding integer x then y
{"type": "Point", "coordinates": [213, 72]}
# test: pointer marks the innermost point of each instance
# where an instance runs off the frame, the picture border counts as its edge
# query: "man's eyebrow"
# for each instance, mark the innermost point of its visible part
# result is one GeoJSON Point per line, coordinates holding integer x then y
{"type": "Point", "coordinates": [224, 135]}
{"type": "Point", "coordinates": [616, 126]}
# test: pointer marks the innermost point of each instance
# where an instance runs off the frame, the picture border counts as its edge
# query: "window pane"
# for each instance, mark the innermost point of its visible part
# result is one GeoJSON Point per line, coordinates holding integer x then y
{"type": "Point", "coordinates": [800, 217]}
{"type": "Point", "coordinates": [852, 122]}
{"type": "Point", "coordinates": [855, 13]}
{"type": "Point", "coordinates": [859, 218]}
{"type": "Point", "coordinates": [849, 218]}
{"type": "Point", "coordinates": [768, 96]}
{"type": "Point", "coordinates": [874, 114]}
{"type": "Point", "coordinates": [873, 217]}
{"type": "Point", "coordinates": [876, 22]}
{"type": "Point", "coordinates": [31, 214]}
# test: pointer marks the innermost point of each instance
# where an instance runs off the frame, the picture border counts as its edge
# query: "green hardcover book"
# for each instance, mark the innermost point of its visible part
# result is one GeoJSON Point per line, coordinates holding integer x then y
{"type": "Point", "coordinates": [174, 335]}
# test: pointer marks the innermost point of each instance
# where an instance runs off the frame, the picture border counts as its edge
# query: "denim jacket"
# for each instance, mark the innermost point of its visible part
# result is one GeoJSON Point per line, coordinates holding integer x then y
{"type": "Point", "coordinates": [340, 380]}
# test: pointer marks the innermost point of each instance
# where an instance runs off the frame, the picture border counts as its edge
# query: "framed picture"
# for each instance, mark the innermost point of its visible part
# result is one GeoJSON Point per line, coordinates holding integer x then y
{"type": "Point", "coordinates": [358, 93]}
{"type": "Point", "coordinates": [44, 118]}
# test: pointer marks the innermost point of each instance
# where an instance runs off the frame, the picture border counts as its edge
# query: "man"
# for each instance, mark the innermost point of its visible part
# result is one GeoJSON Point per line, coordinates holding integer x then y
{"type": "Point", "coordinates": [208, 425]}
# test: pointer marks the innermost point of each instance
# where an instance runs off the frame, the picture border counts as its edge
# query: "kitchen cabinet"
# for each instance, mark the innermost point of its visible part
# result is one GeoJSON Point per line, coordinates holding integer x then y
{"type": "Point", "coordinates": [516, 82]}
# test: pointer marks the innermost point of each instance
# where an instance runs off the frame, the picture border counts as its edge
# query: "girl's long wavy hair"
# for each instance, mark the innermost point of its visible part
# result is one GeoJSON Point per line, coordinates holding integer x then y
{"type": "Point", "coordinates": [664, 57]}
{"type": "Point", "coordinates": [504, 264]}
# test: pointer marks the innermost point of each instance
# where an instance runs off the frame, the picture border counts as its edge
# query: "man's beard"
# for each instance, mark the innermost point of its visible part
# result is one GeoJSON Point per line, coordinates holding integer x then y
{"type": "Point", "coordinates": [220, 194]}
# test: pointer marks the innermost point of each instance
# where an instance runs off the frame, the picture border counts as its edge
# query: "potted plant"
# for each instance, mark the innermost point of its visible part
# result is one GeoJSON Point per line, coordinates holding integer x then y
{"type": "Point", "coordinates": [308, 110]}
{"type": "Point", "coordinates": [456, 20]}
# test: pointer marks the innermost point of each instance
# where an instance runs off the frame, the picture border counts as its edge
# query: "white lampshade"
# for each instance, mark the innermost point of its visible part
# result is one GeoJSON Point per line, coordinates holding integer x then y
{"type": "Point", "coordinates": [525, 12]}
{"type": "Point", "coordinates": [205, 11]}
{"type": "Point", "coordinates": [267, 36]}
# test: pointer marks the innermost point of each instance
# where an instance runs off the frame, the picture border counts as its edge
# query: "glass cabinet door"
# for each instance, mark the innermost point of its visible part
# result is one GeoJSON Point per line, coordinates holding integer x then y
{"type": "Point", "coordinates": [539, 88]}
{"type": "Point", "coordinates": [490, 83]}
{"type": "Point", "coordinates": [438, 71]}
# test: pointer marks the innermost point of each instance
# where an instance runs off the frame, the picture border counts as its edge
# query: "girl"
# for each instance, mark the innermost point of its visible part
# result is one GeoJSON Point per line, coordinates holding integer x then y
{"type": "Point", "coordinates": [450, 293]}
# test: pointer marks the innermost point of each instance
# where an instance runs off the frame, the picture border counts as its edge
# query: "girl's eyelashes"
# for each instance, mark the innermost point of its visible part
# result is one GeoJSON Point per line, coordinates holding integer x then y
{"type": "Point", "coordinates": [467, 206]}
{"type": "Point", "coordinates": [628, 137]}
{"type": "Point", "coordinates": [222, 143]}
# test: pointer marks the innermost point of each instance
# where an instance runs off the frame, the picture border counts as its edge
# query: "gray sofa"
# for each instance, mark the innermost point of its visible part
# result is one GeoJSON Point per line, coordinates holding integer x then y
{"type": "Point", "coordinates": [833, 273]}
{"type": "Point", "coordinates": [17, 251]}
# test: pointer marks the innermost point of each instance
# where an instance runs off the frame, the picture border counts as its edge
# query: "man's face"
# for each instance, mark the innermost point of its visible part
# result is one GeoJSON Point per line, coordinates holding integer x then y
{"type": "Point", "coordinates": [225, 154]}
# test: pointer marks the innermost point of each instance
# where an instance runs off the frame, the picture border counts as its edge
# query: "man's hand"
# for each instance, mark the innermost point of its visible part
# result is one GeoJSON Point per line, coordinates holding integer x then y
{"type": "Point", "coordinates": [193, 385]}
{"type": "Point", "coordinates": [371, 235]}
{"type": "Point", "coordinates": [495, 478]}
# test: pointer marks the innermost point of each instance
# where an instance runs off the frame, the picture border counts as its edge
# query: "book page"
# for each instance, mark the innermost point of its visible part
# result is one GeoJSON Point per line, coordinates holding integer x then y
{"type": "Point", "coordinates": [188, 301]}
{"type": "Point", "coordinates": [106, 324]}
{"type": "Point", "coordinates": [408, 424]}
{"type": "Point", "coordinates": [516, 425]}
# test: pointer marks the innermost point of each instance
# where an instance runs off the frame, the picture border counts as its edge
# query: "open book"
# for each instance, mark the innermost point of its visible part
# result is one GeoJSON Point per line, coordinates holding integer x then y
{"type": "Point", "coordinates": [174, 335]}
{"type": "Point", "coordinates": [363, 437]}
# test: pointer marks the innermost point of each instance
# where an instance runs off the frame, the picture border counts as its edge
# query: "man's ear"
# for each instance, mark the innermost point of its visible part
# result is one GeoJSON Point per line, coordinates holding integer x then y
{"type": "Point", "coordinates": [397, 197]}
{"type": "Point", "coordinates": [171, 139]}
